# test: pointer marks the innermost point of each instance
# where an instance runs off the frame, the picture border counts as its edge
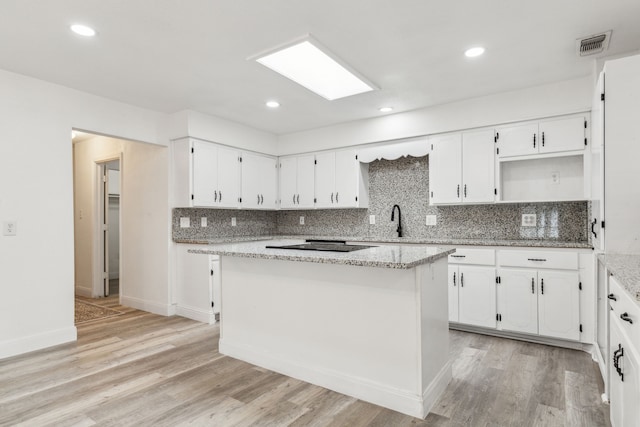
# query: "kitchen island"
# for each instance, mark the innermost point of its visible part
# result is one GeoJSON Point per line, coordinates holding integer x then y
{"type": "Point", "coordinates": [371, 323]}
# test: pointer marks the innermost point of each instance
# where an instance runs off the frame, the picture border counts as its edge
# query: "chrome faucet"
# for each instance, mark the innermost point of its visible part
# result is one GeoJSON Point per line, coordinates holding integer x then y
{"type": "Point", "coordinates": [393, 210]}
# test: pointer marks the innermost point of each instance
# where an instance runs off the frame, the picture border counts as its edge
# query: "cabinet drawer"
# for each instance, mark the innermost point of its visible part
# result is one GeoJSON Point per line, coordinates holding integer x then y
{"type": "Point", "coordinates": [623, 303]}
{"type": "Point", "coordinates": [539, 259]}
{"type": "Point", "coordinates": [473, 256]}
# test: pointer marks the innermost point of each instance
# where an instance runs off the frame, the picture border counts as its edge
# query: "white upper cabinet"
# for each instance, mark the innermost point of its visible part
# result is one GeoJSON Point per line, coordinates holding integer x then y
{"type": "Point", "coordinates": [259, 181]}
{"type": "Point", "coordinates": [297, 182]}
{"type": "Point", "coordinates": [546, 136]}
{"type": "Point", "coordinates": [215, 177]}
{"type": "Point", "coordinates": [341, 180]}
{"type": "Point", "coordinates": [461, 168]}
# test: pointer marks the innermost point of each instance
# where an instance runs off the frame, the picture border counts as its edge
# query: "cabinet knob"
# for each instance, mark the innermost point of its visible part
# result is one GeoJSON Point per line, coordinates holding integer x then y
{"type": "Point", "coordinates": [625, 316]}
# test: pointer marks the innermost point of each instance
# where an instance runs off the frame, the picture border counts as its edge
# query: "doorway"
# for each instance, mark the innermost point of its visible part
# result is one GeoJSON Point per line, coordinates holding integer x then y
{"type": "Point", "coordinates": [107, 266]}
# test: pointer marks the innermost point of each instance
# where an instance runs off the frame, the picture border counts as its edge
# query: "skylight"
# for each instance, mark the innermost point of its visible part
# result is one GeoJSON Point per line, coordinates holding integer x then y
{"type": "Point", "coordinates": [309, 66]}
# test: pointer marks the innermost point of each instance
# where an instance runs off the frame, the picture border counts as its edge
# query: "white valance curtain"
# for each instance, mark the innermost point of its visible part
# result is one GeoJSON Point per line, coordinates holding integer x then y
{"type": "Point", "coordinates": [415, 147]}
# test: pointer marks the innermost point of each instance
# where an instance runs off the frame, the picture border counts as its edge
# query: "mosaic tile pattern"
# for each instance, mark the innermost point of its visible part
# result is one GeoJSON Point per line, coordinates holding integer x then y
{"type": "Point", "coordinates": [404, 182]}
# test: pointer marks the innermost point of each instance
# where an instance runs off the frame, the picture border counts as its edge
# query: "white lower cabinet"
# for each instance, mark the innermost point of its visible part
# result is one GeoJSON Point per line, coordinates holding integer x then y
{"type": "Point", "coordinates": [518, 300]}
{"type": "Point", "coordinates": [477, 296]}
{"type": "Point", "coordinates": [197, 284]}
{"type": "Point", "coordinates": [559, 304]}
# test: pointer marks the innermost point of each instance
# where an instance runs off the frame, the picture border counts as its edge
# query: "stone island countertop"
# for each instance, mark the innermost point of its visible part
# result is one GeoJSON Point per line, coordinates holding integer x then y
{"type": "Point", "coordinates": [387, 256]}
{"type": "Point", "coordinates": [626, 269]}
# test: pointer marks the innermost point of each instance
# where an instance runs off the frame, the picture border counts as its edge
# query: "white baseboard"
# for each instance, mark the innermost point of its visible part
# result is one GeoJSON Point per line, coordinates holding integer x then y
{"type": "Point", "coordinates": [196, 314]}
{"type": "Point", "coordinates": [84, 292]}
{"type": "Point", "coordinates": [37, 341]}
{"type": "Point", "coordinates": [150, 306]}
{"type": "Point", "coordinates": [404, 401]}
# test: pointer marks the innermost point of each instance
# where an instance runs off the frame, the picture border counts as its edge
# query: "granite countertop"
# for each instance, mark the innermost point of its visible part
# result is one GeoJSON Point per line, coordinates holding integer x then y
{"type": "Point", "coordinates": [626, 269]}
{"type": "Point", "coordinates": [388, 256]}
{"type": "Point", "coordinates": [407, 240]}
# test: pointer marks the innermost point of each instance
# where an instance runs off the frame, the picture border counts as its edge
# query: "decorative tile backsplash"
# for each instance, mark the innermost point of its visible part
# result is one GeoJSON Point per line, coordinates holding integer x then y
{"type": "Point", "coordinates": [404, 182]}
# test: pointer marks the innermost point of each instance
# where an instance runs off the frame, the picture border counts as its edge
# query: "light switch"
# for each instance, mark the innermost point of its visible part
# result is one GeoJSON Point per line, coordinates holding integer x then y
{"type": "Point", "coordinates": [185, 222]}
{"type": "Point", "coordinates": [431, 220]}
{"type": "Point", "coordinates": [233, 221]}
{"type": "Point", "coordinates": [9, 228]}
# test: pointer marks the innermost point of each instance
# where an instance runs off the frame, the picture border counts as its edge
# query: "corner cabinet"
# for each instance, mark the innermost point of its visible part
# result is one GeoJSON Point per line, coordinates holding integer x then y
{"type": "Point", "coordinates": [205, 174]}
{"type": "Point", "coordinates": [259, 181]}
{"type": "Point", "coordinates": [297, 182]}
{"type": "Point", "coordinates": [341, 181]}
{"type": "Point", "coordinates": [461, 168]}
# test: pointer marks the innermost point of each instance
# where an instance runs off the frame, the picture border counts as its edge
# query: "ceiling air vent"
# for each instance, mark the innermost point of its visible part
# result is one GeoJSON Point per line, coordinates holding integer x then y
{"type": "Point", "coordinates": [594, 44]}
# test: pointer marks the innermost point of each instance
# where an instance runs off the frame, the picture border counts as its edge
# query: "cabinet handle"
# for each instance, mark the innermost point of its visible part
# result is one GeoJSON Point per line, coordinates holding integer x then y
{"type": "Point", "coordinates": [336, 197]}
{"type": "Point", "coordinates": [454, 279]}
{"type": "Point", "coordinates": [298, 199]}
{"type": "Point", "coordinates": [543, 139]}
{"type": "Point", "coordinates": [616, 361]}
{"type": "Point", "coordinates": [625, 316]}
{"type": "Point", "coordinates": [612, 297]}
{"type": "Point", "coordinates": [465, 190]}
{"type": "Point", "coordinates": [593, 225]}
{"type": "Point", "coordinates": [294, 199]}
{"type": "Point", "coordinates": [458, 190]}
{"type": "Point", "coordinates": [533, 285]}
{"type": "Point", "coordinates": [262, 199]}
{"type": "Point", "coordinates": [458, 256]}
{"type": "Point", "coordinates": [534, 140]}
{"type": "Point", "coordinates": [542, 286]}
{"type": "Point", "coordinates": [462, 280]}
{"type": "Point", "coordinates": [331, 197]}
{"type": "Point", "coordinates": [220, 195]}
{"type": "Point", "coordinates": [536, 259]}
{"type": "Point", "coordinates": [258, 199]}
{"type": "Point", "coordinates": [215, 196]}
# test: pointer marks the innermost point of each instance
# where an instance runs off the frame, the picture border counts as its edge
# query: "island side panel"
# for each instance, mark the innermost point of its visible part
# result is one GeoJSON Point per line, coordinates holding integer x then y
{"type": "Point", "coordinates": [434, 324]}
{"type": "Point", "coordinates": [355, 330]}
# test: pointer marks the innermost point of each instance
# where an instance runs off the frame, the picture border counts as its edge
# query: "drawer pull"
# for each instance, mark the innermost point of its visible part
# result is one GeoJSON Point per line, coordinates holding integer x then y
{"type": "Point", "coordinates": [537, 259]}
{"type": "Point", "coordinates": [462, 280]}
{"type": "Point", "coordinates": [542, 286]}
{"type": "Point", "coordinates": [616, 361]}
{"type": "Point", "coordinates": [454, 279]}
{"type": "Point", "coordinates": [593, 226]}
{"type": "Point", "coordinates": [612, 297]}
{"type": "Point", "coordinates": [625, 316]}
{"type": "Point", "coordinates": [533, 281]}
{"type": "Point", "coordinates": [458, 256]}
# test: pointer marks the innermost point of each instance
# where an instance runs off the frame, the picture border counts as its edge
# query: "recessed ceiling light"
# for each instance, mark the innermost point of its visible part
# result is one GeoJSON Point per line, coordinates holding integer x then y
{"type": "Point", "coordinates": [272, 104]}
{"type": "Point", "coordinates": [311, 66]}
{"type": "Point", "coordinates": [83, 30]}
{"type": "Point", "coordinates": [474, 51]}
{"type": "Point", "coordinates": [385, 109]}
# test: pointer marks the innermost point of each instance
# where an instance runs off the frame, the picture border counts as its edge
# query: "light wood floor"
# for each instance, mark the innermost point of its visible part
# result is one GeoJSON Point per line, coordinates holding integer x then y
{"type": "Point", "coordinates": [146, 370]}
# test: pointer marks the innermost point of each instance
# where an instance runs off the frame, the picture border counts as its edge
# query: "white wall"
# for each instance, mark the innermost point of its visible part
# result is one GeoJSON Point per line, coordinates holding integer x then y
{"type": "Point", "coordinates": [36, 190]}
{"type": "Point", "coordinates": [542, 101]}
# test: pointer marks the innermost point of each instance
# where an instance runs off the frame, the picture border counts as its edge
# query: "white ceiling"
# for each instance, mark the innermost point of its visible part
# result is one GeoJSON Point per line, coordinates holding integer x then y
{"type": "Point", "coordinates": [171, 55]}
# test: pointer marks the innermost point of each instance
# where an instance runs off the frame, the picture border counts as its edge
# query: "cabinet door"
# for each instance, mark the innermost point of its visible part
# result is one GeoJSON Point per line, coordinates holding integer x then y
{"type": "Point", "coordinates": [347, 176]}
{"type": "Point", "coordinates": [452, 283]}
{"type": "Point", "coordinates": [204, 174]}
{"type": "Point", "coordinates": [559, 304]}
{"type": "Point", "coordinates": [306, 181]}
{"type": "Point", "coordinates": [251, 180]}
{"type": "Point", "coordinates": [228, 178]}
{"type": "Point", "coordinates": [518, 300]}
{"type": "Point", "coordinates": [597, 167]}
{"type": "Point", "coordinates": [288, 181]}
{"type": "Point", "coordinates": [631, 388]}
{"type": "Point", "coordinates": [616, 385]}
{"type": "Point", "coordinates": [268, 182]}
{"type": "Point", "coordinates": [562, 135]}
{"type": "Point", "coordinates": [325, 180]}
{"type": "Point", "coordinates": [478, 167]}
{"type": "Point", "coordinates": [518, 140]}
{"type": "Point", "coordinates": [445, 169]}
{"type": "Point", "coordinates": [477, 296]}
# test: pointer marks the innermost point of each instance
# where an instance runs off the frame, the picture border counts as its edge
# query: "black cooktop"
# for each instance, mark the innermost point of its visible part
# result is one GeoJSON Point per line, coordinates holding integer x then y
{"type": "Point", "coordinates": [323, 245]}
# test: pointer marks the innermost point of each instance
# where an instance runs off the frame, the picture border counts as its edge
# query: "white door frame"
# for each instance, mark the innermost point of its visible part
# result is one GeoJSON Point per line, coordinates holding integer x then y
{"type": "Point", "coordinates": [100, 267]}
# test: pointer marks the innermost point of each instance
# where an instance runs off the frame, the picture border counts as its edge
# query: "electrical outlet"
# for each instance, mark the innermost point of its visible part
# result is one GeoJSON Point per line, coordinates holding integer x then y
{"type": "Point", "coordinates": [185, 222]}
{"type": "Point", "coordinates": [372, 219]}
{"type": "Point", "coordinates": [301, 220]}
{"type": "Point", "coordinates": [203, 221]}
{"type": "Point", "coordinates": [529, 220]}
{"type": "Point", "coordinates": [555, 178]}
{"type": "Point", "coordinates": [9, 228]}
{"type": "Point", "coordinates": [233, 221]}
{"type": "Point", "coordinates": [431, 220]}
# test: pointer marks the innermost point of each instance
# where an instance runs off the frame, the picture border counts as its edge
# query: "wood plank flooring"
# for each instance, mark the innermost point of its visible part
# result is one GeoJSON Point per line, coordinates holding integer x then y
{"type": "Point", "coordinates": [139, 369]}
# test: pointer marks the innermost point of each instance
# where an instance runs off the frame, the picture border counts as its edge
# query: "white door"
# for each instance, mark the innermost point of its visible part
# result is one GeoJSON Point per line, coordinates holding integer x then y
{"type": "Point", "coordinates": [325, 180]}
{"type": "Point", "coordinates": [562, 135]}
{"type": "Point", "coordinates": [616, 385]}
{"type": "Point", "coordinates": [477, 296]}
{"type": "Point", "coordinates": [251, 180]}
{"type": "Point", "coordinates": [204, 174]}
{"type": "Point", "coordinates": [268, 182]}
{"type": "Point", "coordinates": [518, 140]}
{"type": "Point", "coordinates": [445, 169]}
{"type": "Point", "coordinates": [559, 304]}
{"type": "Point", "coordinates": [452, 283]}
{"type": "Point", "coordinates": [347, 180]}
{"type": "Point", "coordinates": [306, 181]}
{"type": "Point", "coordinates": [288, 182]}
{"type": "Point", "coordinates": [228, 178]}
{"type": "Point", "coordinates": [478, 166]}
{"type": "Point", "coordinates": [518, 300]}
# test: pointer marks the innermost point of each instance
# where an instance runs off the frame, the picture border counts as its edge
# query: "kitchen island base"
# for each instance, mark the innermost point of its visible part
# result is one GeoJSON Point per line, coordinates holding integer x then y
{"type": "Point", "coordinates": [377, 334]}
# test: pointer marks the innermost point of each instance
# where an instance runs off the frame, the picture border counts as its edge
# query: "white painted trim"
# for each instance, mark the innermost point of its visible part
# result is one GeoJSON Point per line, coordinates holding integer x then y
{"type": "Point", "coordinates": [37, 341]}
{"type": "Point", "coordinates": [83, 291]}
{"type": "Point", "coordinates": [150, 306]}
{"type": "Point", "coordinates": [196, 314]}
{"type": "Point", "coordinates": [361, 388]}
